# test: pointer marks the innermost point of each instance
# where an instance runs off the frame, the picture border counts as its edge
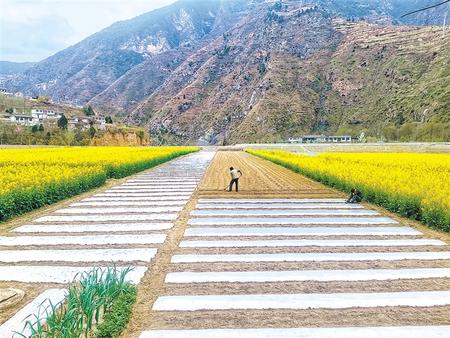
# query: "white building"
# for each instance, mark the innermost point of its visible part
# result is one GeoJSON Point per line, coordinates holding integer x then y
{"type": "Point", "coordinates": [100, 120]}
{"type": "Point", "coordinates": [321, 139]}
{"type": "Point", "coordinates": [23, 119]}
{"type": "Point", "coordinates": [43, 114]}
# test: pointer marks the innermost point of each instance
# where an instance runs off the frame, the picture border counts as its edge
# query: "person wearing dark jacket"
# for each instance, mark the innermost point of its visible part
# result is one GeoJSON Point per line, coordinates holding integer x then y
{"type": "Point", "coordinates": [355, 196]}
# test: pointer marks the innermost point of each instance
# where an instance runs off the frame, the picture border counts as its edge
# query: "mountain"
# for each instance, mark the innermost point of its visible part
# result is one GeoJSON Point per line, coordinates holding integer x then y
{"type": "Point", "coordinates": [80, 72]}
{"type": "Point", "coordinates": [304, 72]}
{"type": "Point", "coordinates": [241, 71]}
{"type": "Point", "coordinates": [12, 68]}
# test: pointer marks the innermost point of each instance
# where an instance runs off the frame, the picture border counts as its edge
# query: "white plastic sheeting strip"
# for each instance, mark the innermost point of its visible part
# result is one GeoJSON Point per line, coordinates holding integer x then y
{"type": "Point", "coordinates": [143, 186]}
{"type": "Point", "coordinates": [302, 301]}
{"type": "Point", "coordinates": [313, 257]}
{"type": "Point", "coordinates": [39, 307]}
{"type": "Point", "coordinates": [153, 178]}
{"type": "Point", "coordinates": [279, 206]}
{"type": "Point", "coordinates": [57, 274]}
{"type": "Point", "coordinates": [290, 220]}
{"type": "Point", "coordinates": [159, 185]}
{"type": "Point", "coordinates": [82, 240]}
{"type": "Point", "coordinates": [173, 177]}
{"type": "Point", "coordinates": [108, 218]}
{"type": "Point", "coordinates": [335, 332]}
{"type": "Point", "coordinates": [307, 231]}
{"type": "Point", "coordinates": [130, 204]}
{"type": "Point", "coordinates": [278, 212]}
{"type": "Point", "coordinates": [93, 227]}
{"type": "Point", "coordinates": [305, 275]}
{"type": "Point", "coordinates": [118, 210]}
{"type": "Point", "coordinates": [140, 190]}
{"type": "Point", "coordinates": [161, 194]}
{"type": "Point", "coordinates": [180, 198]}
{"type": "Point", "coordinates": [307, 242]}
{"type": "Point", "coordinates": [89, 255]}
{"type": "Point", "coordinates": [271, 200]}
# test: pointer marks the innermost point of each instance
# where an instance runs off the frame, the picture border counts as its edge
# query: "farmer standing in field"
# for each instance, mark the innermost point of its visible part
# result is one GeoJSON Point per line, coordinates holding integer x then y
{"type": "Point", "coordinates": [235, 175]}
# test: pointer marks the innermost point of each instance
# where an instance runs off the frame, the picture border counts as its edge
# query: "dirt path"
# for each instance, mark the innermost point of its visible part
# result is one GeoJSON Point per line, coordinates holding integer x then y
{"type": "Point", "coordinates": [260, 178]}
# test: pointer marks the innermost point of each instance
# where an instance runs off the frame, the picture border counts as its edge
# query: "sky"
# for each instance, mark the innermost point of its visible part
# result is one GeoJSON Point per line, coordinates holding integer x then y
{"type": "Point", "coordinates": [32, 30]}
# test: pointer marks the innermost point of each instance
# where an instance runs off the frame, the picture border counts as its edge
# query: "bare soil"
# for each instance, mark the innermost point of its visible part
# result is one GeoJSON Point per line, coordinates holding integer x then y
{"type": "Point", "coordinates": [305, 249]}
{"type": "Point", "coordinates": [260, 178]}
{"type": "Point", "coordinates": [280, 266]}
{"type": "Point", "coordinates": [385, 316]}
{"type": "Point", "coordinates": [432, 284]}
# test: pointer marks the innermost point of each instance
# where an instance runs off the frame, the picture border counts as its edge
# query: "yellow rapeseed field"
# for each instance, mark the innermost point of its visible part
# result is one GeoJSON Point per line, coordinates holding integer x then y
{"type": "Point", "coordinates": [30, 178]}
{"type": "Point", "coordinates": [415, 185]}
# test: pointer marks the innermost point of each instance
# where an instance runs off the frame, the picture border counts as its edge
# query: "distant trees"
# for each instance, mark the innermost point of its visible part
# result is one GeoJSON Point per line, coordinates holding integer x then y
{"type": "Point", "coordinates": [400, 119]}
{"type": "Point", "coordinates": [108, 119]}
{"type": "Point", "coordinates": [9, 110]}
{"type": "Point", "coordinates": [88, 111]}
{"type": "Point", "coordinates": [92, 131]}
{"type": "Point", "coordinates": [274, 17]}
{"type": "Point", "coordinates": [416, 131]}
{"type": "Point", "coordinates": [37, 128]}
{"type": "Point", "coordinates": [62, 122]}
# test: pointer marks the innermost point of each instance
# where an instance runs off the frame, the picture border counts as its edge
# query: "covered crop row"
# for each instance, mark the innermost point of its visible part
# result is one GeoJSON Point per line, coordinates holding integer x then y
{"type": "Point", "coordinates": [413, 185]}
{"type": "Point", "coordinates": [32, 178]}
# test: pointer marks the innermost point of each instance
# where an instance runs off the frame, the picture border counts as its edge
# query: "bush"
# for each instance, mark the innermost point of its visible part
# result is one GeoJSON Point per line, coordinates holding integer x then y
{"type": "Point", "coordinates": [118, 315]}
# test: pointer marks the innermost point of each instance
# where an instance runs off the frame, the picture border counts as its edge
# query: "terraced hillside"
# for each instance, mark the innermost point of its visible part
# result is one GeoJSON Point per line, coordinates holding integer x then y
{"type": "Point", "coordinates": [389, 78]}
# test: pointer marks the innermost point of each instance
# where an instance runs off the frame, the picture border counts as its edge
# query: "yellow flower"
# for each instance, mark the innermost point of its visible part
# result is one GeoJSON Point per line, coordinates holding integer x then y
{"type": "Point", "coordinates": [425, 177]}
{"type": "Point", "coordinates": [32, 168]}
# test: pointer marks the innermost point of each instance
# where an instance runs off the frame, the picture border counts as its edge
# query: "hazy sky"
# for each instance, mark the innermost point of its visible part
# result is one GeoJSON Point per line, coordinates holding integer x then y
{"type": "Point", "coordinates": [31, 30]}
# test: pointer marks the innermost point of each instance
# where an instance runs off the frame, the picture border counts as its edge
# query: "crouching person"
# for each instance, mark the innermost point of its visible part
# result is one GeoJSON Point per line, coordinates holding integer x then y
{"type": "Point", "coordinates": [355, 196]}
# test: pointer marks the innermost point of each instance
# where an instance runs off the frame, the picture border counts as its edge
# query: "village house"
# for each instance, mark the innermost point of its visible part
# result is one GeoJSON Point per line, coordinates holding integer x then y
{"type": "Point", "coordinates": [23, 119]}
{"type": "Point", "coordinates": [5, 92]}
{"type": "Point", "coordinates": [43, 114]}
{"type": "Point", "coordinates": [100, 119]}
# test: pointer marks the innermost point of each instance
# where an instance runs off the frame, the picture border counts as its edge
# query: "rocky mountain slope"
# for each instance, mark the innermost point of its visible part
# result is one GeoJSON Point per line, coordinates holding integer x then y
{"type": "Point", "coordinates": [80, 72]}
{"type": "Point", "coordinates": [287, 71]}
{"type": "Point", "coordinates": [240, 71]}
